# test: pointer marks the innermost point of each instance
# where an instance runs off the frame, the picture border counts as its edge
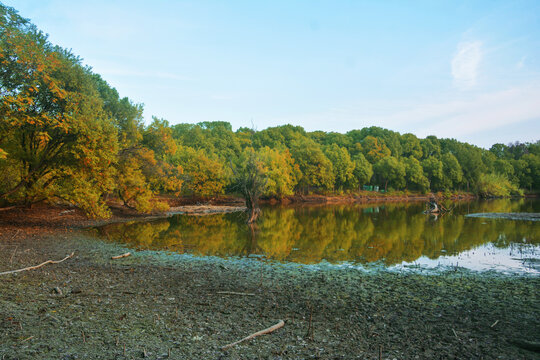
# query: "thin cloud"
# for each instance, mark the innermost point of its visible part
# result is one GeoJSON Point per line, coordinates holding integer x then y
{"type": "Point", "coordinates": [465, 64]}
{"type": "Point", "coordinates": [489, 112]}
{"type": "Point", "coordinates": [455, 118]}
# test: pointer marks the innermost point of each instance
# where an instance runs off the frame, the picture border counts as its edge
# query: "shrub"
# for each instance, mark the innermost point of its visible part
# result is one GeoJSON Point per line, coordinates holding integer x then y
{"type": "Point", "coordinates": [496, 185]}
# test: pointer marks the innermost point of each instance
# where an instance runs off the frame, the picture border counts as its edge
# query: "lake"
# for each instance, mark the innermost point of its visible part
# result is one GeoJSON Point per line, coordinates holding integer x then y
{"type": "Point", "coordinates": [391, 235]}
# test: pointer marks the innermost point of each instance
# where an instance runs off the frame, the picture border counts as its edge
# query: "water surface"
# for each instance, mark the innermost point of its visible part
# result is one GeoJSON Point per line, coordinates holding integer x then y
{"type": "Point", "coordinates": [396, 235]}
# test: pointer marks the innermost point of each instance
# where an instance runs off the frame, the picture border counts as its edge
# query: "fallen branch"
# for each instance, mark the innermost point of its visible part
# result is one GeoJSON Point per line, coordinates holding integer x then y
{"type": "Point", "coordinates": [121, 256]}
{"type": "Point", "coordinates": [28, 338]}
{"type": "Point", "coordinates": [280, 324]}
{"type": "Point", "coordinates": [38, 266]}
{"type": "Point", "coordinates": [8, 208]}
{"type": "Point", "coordinates": [235, 293]}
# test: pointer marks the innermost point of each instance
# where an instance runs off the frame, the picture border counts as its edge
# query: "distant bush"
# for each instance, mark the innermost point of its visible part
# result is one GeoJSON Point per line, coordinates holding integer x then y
{"type": "Point", "coordinates": [496, 185]}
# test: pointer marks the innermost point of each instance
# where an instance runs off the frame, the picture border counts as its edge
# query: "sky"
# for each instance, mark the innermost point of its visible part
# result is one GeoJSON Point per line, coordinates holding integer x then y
{"type": "Point", "coordinates": [468, 70]}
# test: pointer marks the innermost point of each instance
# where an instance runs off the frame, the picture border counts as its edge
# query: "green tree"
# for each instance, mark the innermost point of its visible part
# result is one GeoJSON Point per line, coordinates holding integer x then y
{"type": "Point", "coordinates": [452, 174]}
{"type": "Point", "coordinates": [317, 171]}
{"type": "Point", "coordinates": [411, 146]}
{"type": "Point", "coordinates": [204, 176]}
{"type": "Point", "coordinates": [433, 169]}
{"type": "Point", "coordinates": [414, 174]}
{"type": "Point", "coordinates": [363, 170]}
{"type": "Point", "coordinates": [430, 147]}
{"type": "Point", "coordinates": [250, 181]}
{"type": "Point", "coordinates": [280, 170]}
{"type": "Point", "coordinates": [374, 149]}
{"type": "Point", "coordinates": [342, 164]}
{"type": "Point", "coordinates": [390, 171]}
{"type": "Point", "coordinates": [500, 151]}
{"type": "Point", "coordinates": [504, 167]}
{"type": "Point", "coordinates": [530, 173]}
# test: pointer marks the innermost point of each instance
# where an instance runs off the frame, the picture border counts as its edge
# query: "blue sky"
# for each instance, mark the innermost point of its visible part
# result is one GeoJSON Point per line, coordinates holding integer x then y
{"type": "Point", "coordinates": [469, 70]}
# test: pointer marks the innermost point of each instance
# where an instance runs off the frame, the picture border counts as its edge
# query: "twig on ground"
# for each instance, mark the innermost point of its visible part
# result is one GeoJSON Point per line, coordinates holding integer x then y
{"type": "Point", "coordinates": [495, 323]}
{"type": "Point", "coordinates": [121, 256]}
{"type": "Point", "coordinates": [454, 331]}
{"type": "Point", "coordinates": [280, 324]}
{"type": "Point", "coordinates": [38, 266]}
{"type": "Point", "coordinates": [13, 255]}
{"type": "Point", "coordinates": [13, 237]}
{"type": "Point", "coordinates": [234, 293]}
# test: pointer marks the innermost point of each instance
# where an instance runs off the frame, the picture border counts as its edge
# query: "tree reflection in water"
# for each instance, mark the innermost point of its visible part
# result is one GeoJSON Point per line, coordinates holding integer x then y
{"type": "Point", "coordinates": [391, 232]}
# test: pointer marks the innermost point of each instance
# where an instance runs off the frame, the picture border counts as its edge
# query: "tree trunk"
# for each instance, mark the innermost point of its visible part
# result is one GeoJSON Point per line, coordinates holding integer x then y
{"type": "Point", "coordinates": [253, 215]}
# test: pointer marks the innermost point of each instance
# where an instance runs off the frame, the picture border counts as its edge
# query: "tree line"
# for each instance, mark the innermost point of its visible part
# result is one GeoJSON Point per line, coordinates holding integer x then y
{"type": "Point", "coordinates": [67, 135]}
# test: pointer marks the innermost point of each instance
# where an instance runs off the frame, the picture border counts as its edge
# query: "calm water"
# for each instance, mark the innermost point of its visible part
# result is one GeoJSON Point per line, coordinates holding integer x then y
{"type": "Point", "coordinates": [395, 235]}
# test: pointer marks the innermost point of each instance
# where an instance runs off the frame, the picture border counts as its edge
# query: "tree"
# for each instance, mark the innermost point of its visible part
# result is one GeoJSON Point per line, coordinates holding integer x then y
{"type": "Point", "coordinates": [504, 167]}
{"type": "Point", "coordinates": [342, 164]}
{"type": "Point", "coordinates": [411, 146]}
{"type": "Point", "coordinates": [374, 149]}
{"type": "Point", "coordinates": [390, 170]}
{"type": "Point", "coordinates": [389, 138]}
{"type": "Point", "coordinates": [530, 173]}
{"type": "Point", "coordinates": [500, 151]}
{"type": "Point", "coordinates": [433, 169]}
{"type": "Point", "coordinates": [452, 174]}
{"type": "Point", "coordinates": [204, 175]}
{"type": "Point", "coordinates": [414, 174]}
{"type": "Point", "coordinates": [52, 124]}
{"type": "Point", "coordinates": [279, 137]}
{"type": "Point", "coordinates": [317, 170]}
{"type": "Point", "coordinates": [430, 147]}
{"type": "Point", "coordinates": [363, 170]}
{"type": "Point", "coordinates": [250, 182]}
{"type": "Point", "coordinates": [280, 170]}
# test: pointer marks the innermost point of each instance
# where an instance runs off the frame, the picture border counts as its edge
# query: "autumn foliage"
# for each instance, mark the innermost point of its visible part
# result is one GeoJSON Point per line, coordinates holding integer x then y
{"type": "Point", "coordinates": [66, 136]}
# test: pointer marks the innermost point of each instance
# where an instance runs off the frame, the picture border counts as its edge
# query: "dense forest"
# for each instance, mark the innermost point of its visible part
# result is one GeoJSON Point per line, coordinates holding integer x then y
{"type": "Point", "coordinates": [67, 136]}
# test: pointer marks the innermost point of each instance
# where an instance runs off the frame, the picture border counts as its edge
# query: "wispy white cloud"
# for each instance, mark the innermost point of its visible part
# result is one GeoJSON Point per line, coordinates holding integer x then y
{"type": "Point", "coordinates": [465, 64]}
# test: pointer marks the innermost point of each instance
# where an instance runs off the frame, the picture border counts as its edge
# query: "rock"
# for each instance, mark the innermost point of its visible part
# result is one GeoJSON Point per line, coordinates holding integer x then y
{"type": "Point", "coordinates": [57, 291]}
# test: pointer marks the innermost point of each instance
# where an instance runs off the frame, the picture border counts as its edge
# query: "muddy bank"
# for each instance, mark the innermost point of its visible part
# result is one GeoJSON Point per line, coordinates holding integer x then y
{"type": "Point", "coordinates": [508, 216]}
{"type": "Point", "coordinates": [364, 197]}
{"type": "Point", "coordinates": [199, 210]}
{"type": "Point", "coordinates": [360, 197]}
{"type": "Point", "coordinates": [159, 304]}
{"type": "Point", "coordinates": [46, 218]}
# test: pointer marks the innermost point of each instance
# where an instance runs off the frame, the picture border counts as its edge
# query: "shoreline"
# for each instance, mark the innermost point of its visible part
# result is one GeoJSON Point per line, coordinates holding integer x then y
{"type": "Point", "coordinates": [151, 302]}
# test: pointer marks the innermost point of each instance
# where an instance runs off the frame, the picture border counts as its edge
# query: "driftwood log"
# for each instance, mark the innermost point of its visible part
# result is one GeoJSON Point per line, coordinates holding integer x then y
{"type": "Point", "coordinates": [235, 293]}
{"type": "Point", "coordinates": [38, 266]}
{"type": "Point", "coordinates": [121, 256]}
{"type": "Point", "coordinates": [435, 208]}
{"type": "Point", "coordinates": [280, 324]}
